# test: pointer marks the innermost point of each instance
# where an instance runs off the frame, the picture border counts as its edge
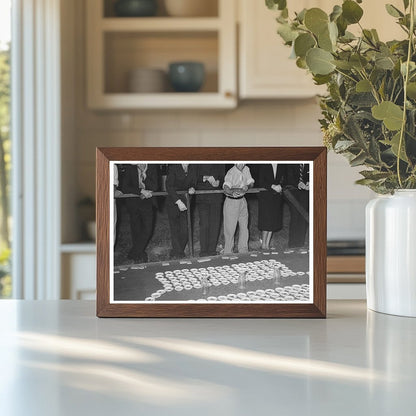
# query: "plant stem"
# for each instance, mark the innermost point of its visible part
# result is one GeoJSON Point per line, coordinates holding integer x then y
{"type": "Point", "coordinates": [373, 88]}
{"type": "Point", "coordinates": [346, 75]}
{"type": "Point", "coordinates": [405, 81]}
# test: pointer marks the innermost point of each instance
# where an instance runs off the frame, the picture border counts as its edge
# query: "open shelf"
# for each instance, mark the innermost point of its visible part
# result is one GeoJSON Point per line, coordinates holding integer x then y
{"type": "Point", "coordinates": [127, 51]}
{"type": "Point", "coordinates": [211, 9]}
{"type": "Point", "coordinates": [119, 45]}
{"type": "Point", "coordinates": [168, 100]}
{"type": "Point", "coordinates": [160, 24]}
{"type": "Point", "coordinates": [87, 247]}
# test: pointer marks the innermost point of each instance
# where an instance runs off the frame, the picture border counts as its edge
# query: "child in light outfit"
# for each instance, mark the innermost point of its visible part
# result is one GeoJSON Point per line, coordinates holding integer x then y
{"type": "Point", "coordinates": [237, 181]}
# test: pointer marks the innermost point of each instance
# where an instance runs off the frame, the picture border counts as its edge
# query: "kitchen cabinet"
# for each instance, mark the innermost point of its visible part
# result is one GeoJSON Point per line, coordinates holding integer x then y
{"type": "Point", "coordinates": [265, 70]}
{"type": "Point", "coordinates": [78, 263]}
{"type": "Point", "coordinates": [118, 45]}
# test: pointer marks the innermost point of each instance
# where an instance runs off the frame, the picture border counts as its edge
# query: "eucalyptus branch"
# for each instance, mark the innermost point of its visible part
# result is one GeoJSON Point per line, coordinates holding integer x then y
{"type": "Point", "coordinates": [404, 28]}
{"type": "Point", "coordinates": [406, 80]}
{"type": "Point", "coordinates": [373, 88]}
{"type": "Point", "coordinates": [392, 91]}
{"type": "Point", "coordinates": [398, 95]}
{"type": "Point", "coordinates": [346, 75]}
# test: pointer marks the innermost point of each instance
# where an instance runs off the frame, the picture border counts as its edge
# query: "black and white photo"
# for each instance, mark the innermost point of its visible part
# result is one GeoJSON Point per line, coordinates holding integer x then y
{"type": "Point", "coordinates": [211, 232]}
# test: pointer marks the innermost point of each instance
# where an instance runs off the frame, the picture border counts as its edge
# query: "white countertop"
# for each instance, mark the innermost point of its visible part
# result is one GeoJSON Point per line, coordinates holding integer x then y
{"type": "Point", "coordinates": [57, 358]}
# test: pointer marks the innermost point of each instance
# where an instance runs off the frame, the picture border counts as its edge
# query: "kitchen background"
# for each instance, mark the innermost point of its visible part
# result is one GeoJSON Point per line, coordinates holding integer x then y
{"type": "Point", "coordinates": [274, 106]}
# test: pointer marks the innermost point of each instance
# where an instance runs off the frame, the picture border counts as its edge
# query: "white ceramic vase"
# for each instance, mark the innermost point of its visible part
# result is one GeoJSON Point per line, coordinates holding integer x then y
{"type": "Point", "coordinates": [391, 253]}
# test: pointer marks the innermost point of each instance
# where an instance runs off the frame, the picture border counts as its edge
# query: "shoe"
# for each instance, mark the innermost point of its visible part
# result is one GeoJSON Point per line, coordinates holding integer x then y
{"type": "Point", "coordinates": [176, 256]}
{"type": "Point", "coordinates": [131, 255]}
{"type": "Point", "coordinates": [142, 258]}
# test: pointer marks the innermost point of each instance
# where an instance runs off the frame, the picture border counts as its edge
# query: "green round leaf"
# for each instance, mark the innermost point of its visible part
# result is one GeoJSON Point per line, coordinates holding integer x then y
{"type": "Point", "coordinates": [336, 12]}
{"type": "Point", "coordinates": [276, 4]}
{"type": "Point", "coordinates": [394, 146]}
{"type": "Point", "coordinates": [342, 25]}
{"type": "Point", "coordinates": [391, 114]}
{"type": "Point", "coordinates": [363, 86]}
{"type": "Point", "coordinates": [301, 15]}
{"type": "Point", "coordinates": [319, 61]}
{"type": "Point", "coordinates": [351, 11]}
{"type": "Point", "coordinates": [324, 41]}
{"type": "Point", "coordinates": [384, 62]}
{"type": "Point", "coordinates": [287, 33]}
{"type": "Point", "coordinates": [322, 79]}
{"type": "Point", "coordinates": [344, 65]}
{"type": "Point", "coordinates": [301, 63]}
{"type": "Point", "coordinates": [358, 61]}
{"type": "Point", "coordinates": [303, 43]}
{"type": "Point", "coordinates": [411, 90]}
{"type": "Point", "coordinates": [393, 11]}
{"type": "Point", "coordinates": [328, 38]}
{"type": "Point", "coordinates": [333, 32]}
{"type": "Point", "coordinates": [316, 20]}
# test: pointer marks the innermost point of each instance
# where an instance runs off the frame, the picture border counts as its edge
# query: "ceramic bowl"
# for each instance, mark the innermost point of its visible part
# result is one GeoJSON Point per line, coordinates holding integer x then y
{"type": "Point", "coordinates": [135, 8]}
{"type": "Point", "coordinates": [147, 80]}
{"type": "Point", "coordinates": [186, 76]}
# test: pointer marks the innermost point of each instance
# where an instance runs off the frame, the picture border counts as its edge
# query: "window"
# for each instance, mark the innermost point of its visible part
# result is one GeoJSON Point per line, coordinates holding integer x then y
{"type": "Point", "coordinates": [5, 147]}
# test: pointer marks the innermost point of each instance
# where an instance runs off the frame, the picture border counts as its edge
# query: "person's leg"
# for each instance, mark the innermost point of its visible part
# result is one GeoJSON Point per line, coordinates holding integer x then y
{"type": "Point", "coordinates": [115, 222]}
{"type": "Point", "coordinates": [231, 208]}
{"type": "Point", "coordinates": [204, 227]}
{"type": "Point", "coordinates": [214, 227]}
{"type": "Point", "coordinates": [146, 225]}
{"type": "Point", "coordinates": [243, 226]}
{"type": "Point", "coordinates": [296, 225]}
{"type": "Point", "coordinates": [264, 244]}
{"type": "Point", "coordinates": [183, 232]}
{"type": "Point", "coordinates": [303, 224]}
{"type": "Point", "coordinates": [132, 208]}
{"type": "Point", "coordinates": [268, 239]}
{"type": "Point", "coordinates": [174, 224]}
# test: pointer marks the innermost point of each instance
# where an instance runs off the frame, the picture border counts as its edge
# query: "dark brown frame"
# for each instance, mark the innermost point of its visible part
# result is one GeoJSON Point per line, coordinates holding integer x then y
{"type": "Point", "coordinates": [318, 155]}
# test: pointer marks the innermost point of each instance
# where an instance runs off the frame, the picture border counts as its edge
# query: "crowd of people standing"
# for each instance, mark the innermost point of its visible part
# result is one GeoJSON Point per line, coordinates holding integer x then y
{"type": "Point", "coordinates": [219, 191]}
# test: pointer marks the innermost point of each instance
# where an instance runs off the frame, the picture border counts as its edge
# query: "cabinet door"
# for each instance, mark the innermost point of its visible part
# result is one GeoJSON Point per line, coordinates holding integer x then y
{"type": "Point", "coordinates": [78, 276]}
{"type": "Point", "coordinates": [266, 71]}
{"type": "Point", "coordinates": [376, 17]}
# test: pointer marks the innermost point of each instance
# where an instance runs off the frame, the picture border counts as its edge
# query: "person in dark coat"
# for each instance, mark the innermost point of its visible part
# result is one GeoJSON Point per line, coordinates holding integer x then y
{"type": "Point", "coordinates": [271, 177]}
{"type": "Point", "coordinates": [209, 177]}
{"type": "Point", "coordinates": [140, 179]}
{"type": "Point", "coordinates": [298, 183]}
{"type": "Point", "coordinates": [182, 177]}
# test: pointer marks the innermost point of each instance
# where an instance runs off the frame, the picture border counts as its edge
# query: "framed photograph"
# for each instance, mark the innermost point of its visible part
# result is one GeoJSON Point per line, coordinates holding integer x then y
{"type": "Point", "coordinates": [211, 232]}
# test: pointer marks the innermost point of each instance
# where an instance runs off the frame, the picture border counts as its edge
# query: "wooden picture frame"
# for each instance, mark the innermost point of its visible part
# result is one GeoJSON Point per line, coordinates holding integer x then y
{"type": "Point", "coordinates": [315, 307]}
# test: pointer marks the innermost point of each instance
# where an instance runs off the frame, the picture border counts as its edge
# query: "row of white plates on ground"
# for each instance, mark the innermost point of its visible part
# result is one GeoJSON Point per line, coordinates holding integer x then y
{"type": "Point", "coordinates": [293, 293]}
{"type": "Point", "coordinates": [187, 279]}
